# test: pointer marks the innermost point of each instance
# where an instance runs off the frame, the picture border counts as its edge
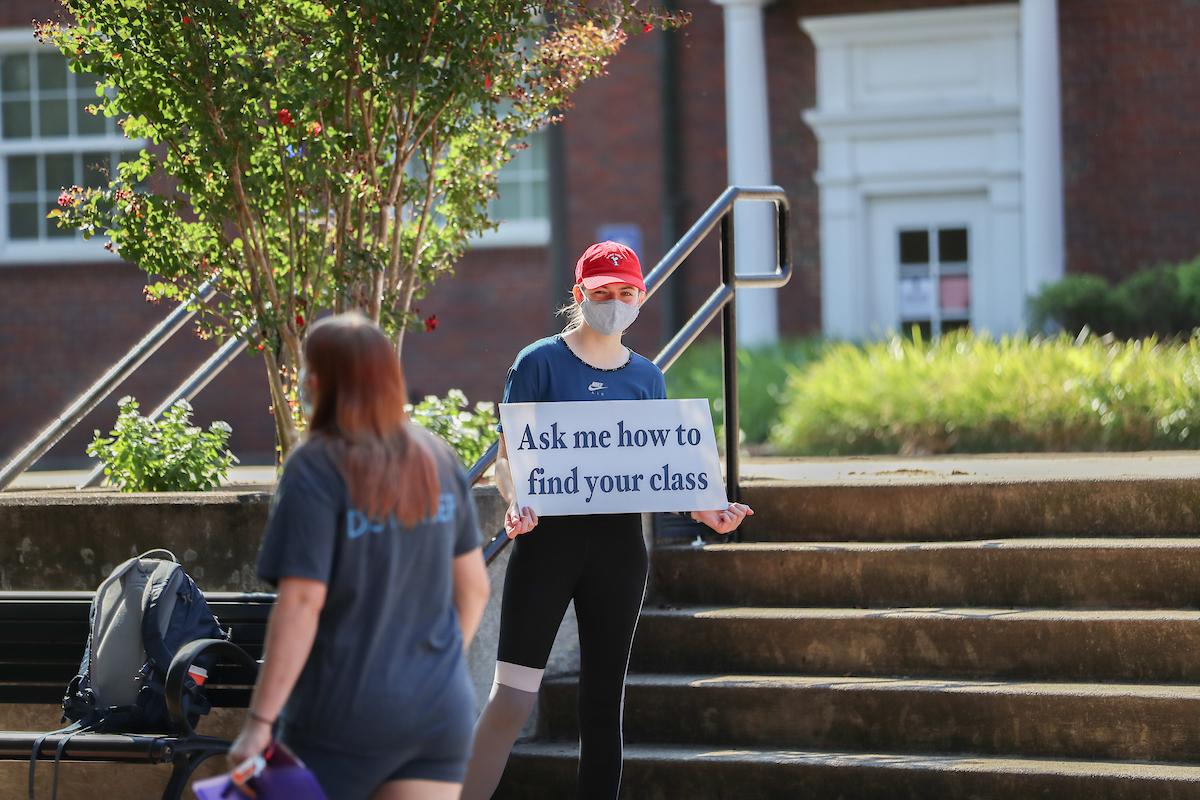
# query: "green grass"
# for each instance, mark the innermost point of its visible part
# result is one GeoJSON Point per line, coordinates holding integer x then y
{"type": "Point", "coordinates": [968, 394]}
{"type": "Point", "coordinates": [762, 380]}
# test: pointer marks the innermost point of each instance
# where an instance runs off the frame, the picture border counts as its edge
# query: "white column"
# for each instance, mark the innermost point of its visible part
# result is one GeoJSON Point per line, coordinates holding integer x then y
{"type": "Point", "coordinates": [1041, 145]}
{"type": "Point", "coordinates": [748, 145]}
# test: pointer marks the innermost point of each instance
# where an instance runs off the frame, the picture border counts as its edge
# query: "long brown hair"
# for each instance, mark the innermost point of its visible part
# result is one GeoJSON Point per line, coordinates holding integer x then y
{"type": "Point", "coordinates": [359, 407]}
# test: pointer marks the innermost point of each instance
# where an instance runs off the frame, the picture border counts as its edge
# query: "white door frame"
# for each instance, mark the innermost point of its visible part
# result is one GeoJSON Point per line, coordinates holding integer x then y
{"type": "Point", "coordinates": [917, 103]}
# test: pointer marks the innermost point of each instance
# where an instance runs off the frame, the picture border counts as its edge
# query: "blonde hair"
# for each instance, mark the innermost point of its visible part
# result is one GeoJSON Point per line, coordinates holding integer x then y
{"type": "Point", "coordinates": [573, 312]}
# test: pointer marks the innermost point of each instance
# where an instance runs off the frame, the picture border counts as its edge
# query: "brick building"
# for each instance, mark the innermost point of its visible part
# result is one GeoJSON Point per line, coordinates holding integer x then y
{"type": "Point", "coordinates": [943, 158]}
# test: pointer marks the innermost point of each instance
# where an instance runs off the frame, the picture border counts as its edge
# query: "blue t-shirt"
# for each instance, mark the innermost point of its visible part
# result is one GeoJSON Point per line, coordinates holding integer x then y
{"type": "Point", "coordinates": [548, 371]}
{"type": "Point", "coordinates": [387, 661]}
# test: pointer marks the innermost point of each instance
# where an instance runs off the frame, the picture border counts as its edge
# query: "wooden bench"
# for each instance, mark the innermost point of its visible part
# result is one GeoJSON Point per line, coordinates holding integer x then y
{"type": "Point", "coordinates": [42, 636]}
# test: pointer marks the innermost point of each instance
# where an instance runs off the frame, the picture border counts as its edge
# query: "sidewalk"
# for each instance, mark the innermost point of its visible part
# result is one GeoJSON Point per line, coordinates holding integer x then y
{"type": "Point", "coordinates": [916, 470]}
{"type": "Point", "coordinates": [854, 470]}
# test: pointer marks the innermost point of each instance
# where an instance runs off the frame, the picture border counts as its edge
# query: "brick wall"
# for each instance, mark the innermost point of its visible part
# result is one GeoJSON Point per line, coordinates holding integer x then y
{"type": "Point", "coordinates": [496, 303]}
{"type": "Point", "coordinates": [1131, 132]}
{"type": "Point", "coordinates": [21, 13]}
{"type": "Point", "coordinates": [63, 326]}
{"type": "Point", "coordinates": [1131, 183]}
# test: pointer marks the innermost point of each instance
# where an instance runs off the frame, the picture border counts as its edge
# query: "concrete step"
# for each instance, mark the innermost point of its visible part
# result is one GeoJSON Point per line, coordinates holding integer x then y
{"type": "Point", "coordinates": [698, 772]}
{"type": "Point", "coordinates": [1052, 720]}
{"type": "Point", "coordinates": [1134, 645]}
{"type": "Point", "coordinates": [1045, 573]}
{"type": "Point", "coordinates": [939, 510]}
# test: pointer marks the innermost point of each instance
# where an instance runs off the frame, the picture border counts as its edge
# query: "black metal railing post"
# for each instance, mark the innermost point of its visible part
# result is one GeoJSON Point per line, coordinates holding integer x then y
{"type": "Point", "coordinates": [729, 379]}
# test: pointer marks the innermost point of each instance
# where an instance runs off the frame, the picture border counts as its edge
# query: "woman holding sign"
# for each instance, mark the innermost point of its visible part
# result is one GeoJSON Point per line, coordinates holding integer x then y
{"type": "Point", "coordinates": [599, 561]}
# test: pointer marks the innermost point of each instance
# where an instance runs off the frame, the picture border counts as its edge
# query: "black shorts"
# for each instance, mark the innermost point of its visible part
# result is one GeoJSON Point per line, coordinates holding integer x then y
{"type": "Point", "coordinates": [439, 754]}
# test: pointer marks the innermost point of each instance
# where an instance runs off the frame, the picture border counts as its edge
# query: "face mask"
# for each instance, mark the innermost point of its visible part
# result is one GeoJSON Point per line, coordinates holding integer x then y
{"type": "Point", "coordinates": [610, 317]}
{"type": "Point", "coordinates": [302, 394]}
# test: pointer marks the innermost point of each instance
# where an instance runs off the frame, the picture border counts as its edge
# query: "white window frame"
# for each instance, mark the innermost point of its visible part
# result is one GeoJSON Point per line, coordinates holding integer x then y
{"type": "Point", "coordinates": [47, 251]}
{"type": "Point", "coordinates": [525, 231]}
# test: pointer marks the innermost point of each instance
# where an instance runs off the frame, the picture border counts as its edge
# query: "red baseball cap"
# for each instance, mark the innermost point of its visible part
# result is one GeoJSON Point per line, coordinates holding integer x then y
{"type": "Point", "coordinates": [609, 262]}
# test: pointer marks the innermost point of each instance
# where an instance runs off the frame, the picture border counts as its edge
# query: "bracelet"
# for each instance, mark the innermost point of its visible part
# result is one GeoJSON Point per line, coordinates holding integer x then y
{"type": "Point", "coordinates": [259, 718]}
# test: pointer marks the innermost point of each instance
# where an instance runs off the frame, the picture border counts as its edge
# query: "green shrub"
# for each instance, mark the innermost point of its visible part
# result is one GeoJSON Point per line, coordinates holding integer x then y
{"type": "Point", "coordinates": [1161, 301]}
{"type": "Point", "coordinates": [970, 394]}
{"type": "Point", "coordinates": [762, 379]}
{"type": "Point", "coordinates": [469, 431]}
{"type": "Point", "coordinates": [1155, 303]}
{"type": "Point", "coordinates": [1076, 302]}
{"type": "Point", "coordinates": [170, 455]}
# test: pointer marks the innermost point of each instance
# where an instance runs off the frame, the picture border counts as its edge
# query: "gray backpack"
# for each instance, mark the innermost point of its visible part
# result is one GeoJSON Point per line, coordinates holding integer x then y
{"type": "Point", "coordinates": [140, 616]}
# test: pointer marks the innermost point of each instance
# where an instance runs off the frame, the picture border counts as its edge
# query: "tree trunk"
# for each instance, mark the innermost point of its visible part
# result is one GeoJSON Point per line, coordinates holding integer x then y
{"type": "Point", "coordinates": [287, 436]}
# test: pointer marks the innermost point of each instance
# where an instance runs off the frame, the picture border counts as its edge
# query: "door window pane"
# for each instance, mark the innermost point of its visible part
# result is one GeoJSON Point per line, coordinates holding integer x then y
{"type": "Point", "coordinates": [934, 283]}
{"type": "Point", "coordinates": [956, 293]}
{"type": "Point", "coordinates": [914, 247]}
{"type": "Point", "coordinates": [952, 245]}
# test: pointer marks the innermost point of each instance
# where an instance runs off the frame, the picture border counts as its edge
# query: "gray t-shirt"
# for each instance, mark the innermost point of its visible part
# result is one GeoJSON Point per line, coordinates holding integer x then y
{"type": "Point", "coordinates": [387, 658]}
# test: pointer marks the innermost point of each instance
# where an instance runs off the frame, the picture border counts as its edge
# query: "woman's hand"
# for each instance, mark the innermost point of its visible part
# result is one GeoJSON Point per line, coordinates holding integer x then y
{"type": "Point", "coordinates": [725, 521]}
{"type": "Point", "coordinates": [518, 521]}
{"type": "Point", "coordinates": [252, 741]}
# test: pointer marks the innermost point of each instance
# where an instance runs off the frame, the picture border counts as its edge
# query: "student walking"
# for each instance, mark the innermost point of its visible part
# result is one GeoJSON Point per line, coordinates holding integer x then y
{"type": "Point", "coordinates": [598, 561]}
{"type": "Point", "coordinates": [373, 543]}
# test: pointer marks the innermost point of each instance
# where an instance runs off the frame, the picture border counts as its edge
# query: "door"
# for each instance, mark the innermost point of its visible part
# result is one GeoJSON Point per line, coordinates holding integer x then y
{"type": "Point", "coordinates": [926, 262]}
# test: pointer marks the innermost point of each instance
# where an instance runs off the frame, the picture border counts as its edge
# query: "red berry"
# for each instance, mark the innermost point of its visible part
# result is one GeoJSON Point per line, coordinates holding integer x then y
{"type": "Point", "coordinates": [487, 82]}
{"type": "Point", "coordinates": [186, 20]}
{"type": "Point", "coordinates": [431, 323]}
{"type": "Point", "coordinates": [285, 117]}
{"type": "Point", "coordinates": [299, 321]}
{"type": "Point", "coordinates": [647, 27]}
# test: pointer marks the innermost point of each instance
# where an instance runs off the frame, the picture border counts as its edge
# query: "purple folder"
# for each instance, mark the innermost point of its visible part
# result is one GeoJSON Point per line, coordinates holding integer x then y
{"type": "Point", "coordinates": [276, 775]}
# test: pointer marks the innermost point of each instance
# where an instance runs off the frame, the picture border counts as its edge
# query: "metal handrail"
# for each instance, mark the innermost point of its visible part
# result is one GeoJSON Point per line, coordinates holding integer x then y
{"type": "Point", "coordinates": [722, 301]}
{"type": "Point", "coordinates": [95, 394]}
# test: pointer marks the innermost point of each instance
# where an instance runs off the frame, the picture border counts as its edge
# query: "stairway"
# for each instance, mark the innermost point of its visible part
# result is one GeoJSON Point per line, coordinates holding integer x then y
{"type": "Point", "coordinates": [949, 642]}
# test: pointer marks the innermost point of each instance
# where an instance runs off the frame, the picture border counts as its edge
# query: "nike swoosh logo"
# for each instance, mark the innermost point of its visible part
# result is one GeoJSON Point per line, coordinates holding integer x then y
{"type": "Point", "coordinates": [596, 386]}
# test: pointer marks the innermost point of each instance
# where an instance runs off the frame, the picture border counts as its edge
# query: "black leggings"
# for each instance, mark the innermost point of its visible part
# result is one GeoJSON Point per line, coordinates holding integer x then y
{"type": "Point", "coordinates": [600, 562]}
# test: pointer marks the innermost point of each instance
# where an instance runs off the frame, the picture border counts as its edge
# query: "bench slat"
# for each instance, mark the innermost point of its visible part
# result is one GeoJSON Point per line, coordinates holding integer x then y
{"type": "Point", "coordinates": [29, 632]}
{"type": "Point", "coordinates": [18, 745]}
{"type": "Point", "coordinates": [61, 674]}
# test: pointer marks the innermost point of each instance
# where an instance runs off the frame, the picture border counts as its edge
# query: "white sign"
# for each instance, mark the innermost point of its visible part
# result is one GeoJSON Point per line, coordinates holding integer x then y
{"type": "Point", "coordinates": [916, 298]}
{"type": "Point", "coordinates": [613, 456]}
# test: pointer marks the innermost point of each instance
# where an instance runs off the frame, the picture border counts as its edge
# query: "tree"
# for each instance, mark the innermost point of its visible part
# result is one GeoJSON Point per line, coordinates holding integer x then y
{"type": "Point", "coordinates": [315, 155]}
